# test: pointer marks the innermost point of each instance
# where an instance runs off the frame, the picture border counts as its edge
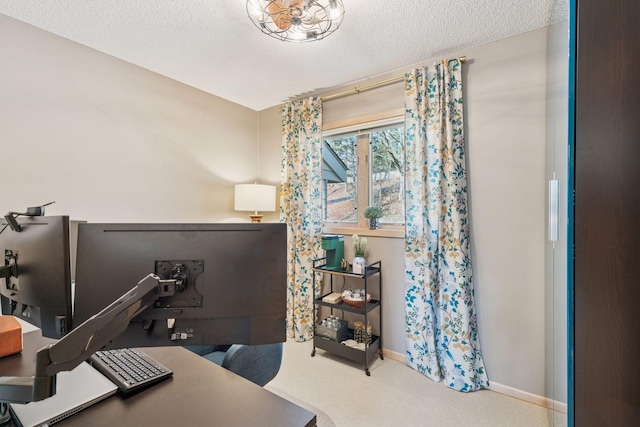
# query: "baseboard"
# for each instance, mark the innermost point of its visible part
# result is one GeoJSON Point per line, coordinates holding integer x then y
{"type": "Point", "coordinates": [398, 357]}
{"type": "Point", "coordinates": [545, 402]}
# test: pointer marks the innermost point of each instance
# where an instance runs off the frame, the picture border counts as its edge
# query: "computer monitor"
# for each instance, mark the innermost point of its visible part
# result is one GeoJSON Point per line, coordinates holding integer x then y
{"type": "Point", "coordinates": [227, 281]}
{"type": "Point", "coordinates": [36, 272]}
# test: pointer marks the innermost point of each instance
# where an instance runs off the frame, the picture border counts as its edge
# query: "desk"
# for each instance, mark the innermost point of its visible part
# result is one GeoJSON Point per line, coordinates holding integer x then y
{"type": "Point", "coordinates": [200, 393]}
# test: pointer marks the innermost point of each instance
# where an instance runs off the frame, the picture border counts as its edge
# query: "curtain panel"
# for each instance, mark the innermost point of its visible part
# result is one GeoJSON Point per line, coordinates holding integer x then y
{"type": "Point", "coordinates": [301, 209]}
{"type": "Point", "coordinates": [442, 332]}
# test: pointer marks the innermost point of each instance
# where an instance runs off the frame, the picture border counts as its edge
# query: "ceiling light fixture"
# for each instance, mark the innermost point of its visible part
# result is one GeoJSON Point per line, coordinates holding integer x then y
{"type": "Point", "coordinates": [296, 20]}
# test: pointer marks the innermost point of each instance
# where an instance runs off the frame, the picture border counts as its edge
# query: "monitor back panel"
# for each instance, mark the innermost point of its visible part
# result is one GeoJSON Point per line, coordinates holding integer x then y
{"type": "Point", "coordinates": [42, 288]}
{"type": "Point", "coordinates": [235, 292]}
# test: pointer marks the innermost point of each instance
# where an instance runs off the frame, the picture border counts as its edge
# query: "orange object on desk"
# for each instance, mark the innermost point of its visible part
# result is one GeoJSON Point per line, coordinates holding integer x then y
{"type": "Point", "coordinates": [10, 336]}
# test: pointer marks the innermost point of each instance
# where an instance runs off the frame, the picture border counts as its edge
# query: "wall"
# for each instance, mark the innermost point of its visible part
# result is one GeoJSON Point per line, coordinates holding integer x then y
{"type": "Point", "coordinates": [110, 141]}
{"type": "Point", "coordinates": [505, 106]}
{"type": "Point", "coordinates": [270, 151]}
{"type": "Point", "coordinates": [506, 93]}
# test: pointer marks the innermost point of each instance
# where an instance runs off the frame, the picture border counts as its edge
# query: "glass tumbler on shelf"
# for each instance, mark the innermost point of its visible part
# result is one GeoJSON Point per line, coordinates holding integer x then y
{"type": "Point", "coordinates": [359, 265]}
{"type": "Point", "coordinates": [358, 331]}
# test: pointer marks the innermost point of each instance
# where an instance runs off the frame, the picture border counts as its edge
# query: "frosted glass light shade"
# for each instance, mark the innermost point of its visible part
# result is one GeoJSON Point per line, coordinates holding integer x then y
{"type": "Point", "coordinates": [255, 197]}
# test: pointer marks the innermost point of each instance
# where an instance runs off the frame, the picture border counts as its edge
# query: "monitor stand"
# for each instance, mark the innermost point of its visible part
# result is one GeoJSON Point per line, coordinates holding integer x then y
{"type": "Point", "coordinates": [29, 385]}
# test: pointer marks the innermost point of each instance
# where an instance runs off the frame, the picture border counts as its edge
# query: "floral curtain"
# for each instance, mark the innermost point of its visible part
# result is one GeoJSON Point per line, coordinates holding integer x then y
{"type": "Point", "coordinates": [442, 332]}
{"type": "Point", "coordinates": [301, 208]}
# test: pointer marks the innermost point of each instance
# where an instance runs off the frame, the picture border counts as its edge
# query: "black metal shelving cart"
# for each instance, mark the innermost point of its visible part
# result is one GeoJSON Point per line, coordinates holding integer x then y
{"type": "Point", "coordinates": [336, 347]}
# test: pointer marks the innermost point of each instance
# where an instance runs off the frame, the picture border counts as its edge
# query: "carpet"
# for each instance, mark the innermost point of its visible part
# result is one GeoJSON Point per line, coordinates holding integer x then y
{"type": "Point", "coordinates": [322, 419]}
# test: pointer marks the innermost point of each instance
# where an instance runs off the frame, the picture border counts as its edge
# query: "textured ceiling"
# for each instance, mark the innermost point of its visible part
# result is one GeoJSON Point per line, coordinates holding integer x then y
{"type": "Point", "coordinates": [212, 45]}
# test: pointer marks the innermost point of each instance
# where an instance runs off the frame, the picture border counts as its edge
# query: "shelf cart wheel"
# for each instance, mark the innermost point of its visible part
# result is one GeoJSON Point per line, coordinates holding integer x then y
{"type": "Point", "coordinates": [313, 352]}
{"type": "Point", "coordinates": [367, 372]}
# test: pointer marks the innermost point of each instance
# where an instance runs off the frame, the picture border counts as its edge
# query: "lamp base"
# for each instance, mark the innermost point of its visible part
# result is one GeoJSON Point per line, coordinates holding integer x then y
{"type": "Point", "coordinates": [255, 218]}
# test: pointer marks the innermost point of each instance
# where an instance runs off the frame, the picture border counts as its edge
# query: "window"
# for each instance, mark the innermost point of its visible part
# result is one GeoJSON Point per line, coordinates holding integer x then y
{"type": "Point", "coordinates": [363, 167]}
{"type": "Point", "coordinates": [340, 178]}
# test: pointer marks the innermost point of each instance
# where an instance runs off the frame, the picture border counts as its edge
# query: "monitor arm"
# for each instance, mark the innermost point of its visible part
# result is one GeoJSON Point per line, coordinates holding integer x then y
{"type": "Point", "coordinates": [10, 267]}
{"type": "Point", "coordinates": [77, 346]}
{"type": "Point", "coordinates": [6, 271]}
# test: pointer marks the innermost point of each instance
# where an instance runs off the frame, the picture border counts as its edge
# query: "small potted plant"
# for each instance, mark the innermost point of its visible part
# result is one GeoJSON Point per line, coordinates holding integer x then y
{"type": "Point", "coordinates": [373, 213]}
{"type": "Point", "coordinates": [359, 249]}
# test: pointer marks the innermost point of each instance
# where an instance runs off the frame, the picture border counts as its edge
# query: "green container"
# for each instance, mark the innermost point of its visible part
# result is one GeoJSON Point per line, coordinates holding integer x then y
{"type": "Point", "coordinates": [333, 244]}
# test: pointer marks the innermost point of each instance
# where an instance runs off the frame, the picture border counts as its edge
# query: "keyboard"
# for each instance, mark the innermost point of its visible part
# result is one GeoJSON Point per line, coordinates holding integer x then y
{"type": "Point", "coordinates": [130, 369]}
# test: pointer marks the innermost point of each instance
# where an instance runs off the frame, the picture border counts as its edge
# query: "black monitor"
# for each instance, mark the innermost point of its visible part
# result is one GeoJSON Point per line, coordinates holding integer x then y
{"type": "Point", "coordinates": [226, 282]}
{"type": "Point", "coordinates": [36, 272]}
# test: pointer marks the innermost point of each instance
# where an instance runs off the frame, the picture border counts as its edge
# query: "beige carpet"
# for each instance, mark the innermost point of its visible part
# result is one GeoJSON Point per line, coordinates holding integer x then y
{"type": "Point", "coordinates": [394, 395]}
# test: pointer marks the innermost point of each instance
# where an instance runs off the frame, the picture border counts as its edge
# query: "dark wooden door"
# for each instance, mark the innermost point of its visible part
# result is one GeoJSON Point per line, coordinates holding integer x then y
{"type": "Point", "coordinates": [607, 214]}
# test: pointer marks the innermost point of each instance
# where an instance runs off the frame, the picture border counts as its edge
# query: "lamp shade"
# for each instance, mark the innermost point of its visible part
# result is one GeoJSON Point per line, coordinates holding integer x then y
{"type": "Point", "coordinates": [255, 197]}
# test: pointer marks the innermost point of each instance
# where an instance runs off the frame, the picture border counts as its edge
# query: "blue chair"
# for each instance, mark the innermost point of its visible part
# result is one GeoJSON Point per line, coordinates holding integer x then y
{"type": "Point", "coordinates": [257, 363]}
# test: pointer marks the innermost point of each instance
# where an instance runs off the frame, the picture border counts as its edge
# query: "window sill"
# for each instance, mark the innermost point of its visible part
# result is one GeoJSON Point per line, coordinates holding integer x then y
{"type": "Point", "coordinates": [390, 231]}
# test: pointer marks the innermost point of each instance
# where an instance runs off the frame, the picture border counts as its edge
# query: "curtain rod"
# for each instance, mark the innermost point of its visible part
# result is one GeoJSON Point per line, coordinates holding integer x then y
{"type": "Point", "coordinates": [370, 86]}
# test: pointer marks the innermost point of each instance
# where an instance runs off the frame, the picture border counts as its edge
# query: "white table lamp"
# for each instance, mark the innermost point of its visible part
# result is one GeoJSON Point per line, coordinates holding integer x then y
{"type": "Point", "coordinates": [255, 197]}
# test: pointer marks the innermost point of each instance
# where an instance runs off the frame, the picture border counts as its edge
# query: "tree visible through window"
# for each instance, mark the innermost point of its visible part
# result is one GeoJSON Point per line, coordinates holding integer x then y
{"type": "Point", "coordinates": [387, 173]}
{"type": "Point", "coordinates": [362, 169]}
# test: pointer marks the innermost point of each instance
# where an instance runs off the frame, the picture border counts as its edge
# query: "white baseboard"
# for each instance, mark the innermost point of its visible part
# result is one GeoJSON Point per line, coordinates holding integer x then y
{"type": "Point", "coordinates": [390, 354]}
{"type": "Point", "coordinates": [545, 402]}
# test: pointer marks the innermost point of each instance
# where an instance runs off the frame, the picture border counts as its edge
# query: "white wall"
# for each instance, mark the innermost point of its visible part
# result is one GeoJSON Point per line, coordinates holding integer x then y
{"type": "Point", "coordinates": [270, 152]}
{"type": "Point", "coordinates": [110, 141]}
{"type": "Point", "coordinates": [505, 94]}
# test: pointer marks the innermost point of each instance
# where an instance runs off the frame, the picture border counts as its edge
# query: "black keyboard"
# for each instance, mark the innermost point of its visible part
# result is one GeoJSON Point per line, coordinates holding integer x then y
{"type": "Point", "coordinates": [129, 369]}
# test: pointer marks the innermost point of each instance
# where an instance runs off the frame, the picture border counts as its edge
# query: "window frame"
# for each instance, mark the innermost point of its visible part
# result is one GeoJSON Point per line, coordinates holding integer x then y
{"type": "Point", "coordinates": [363, 124]}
